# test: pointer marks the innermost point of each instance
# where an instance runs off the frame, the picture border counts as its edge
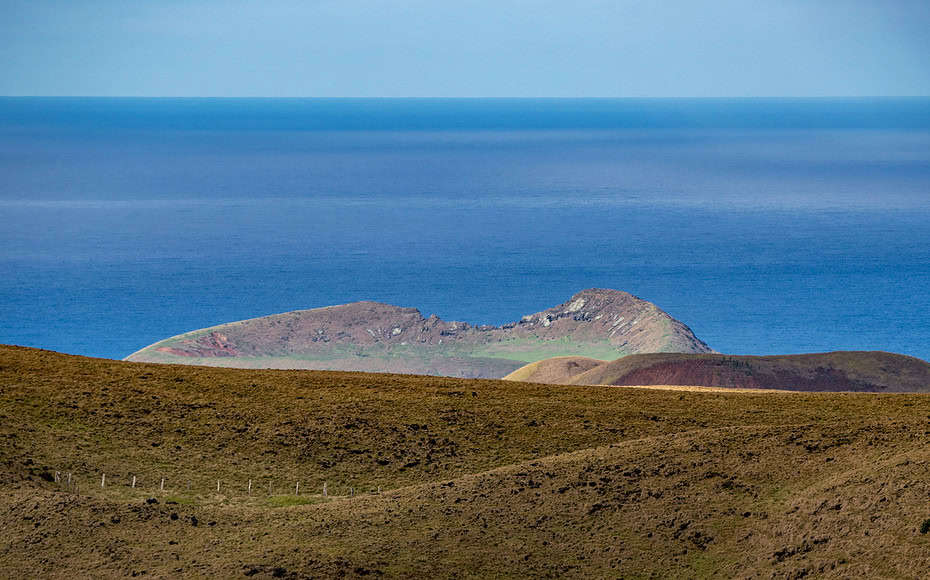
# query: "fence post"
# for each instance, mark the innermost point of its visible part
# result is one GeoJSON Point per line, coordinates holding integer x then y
{"type": "Point", "coordinates": [324, 489]}
{"type": "Point", "coordinates": [297, 489]}
{"type": "Point", "coordinates": [103, 480]}
{"type": "Point", "coordinates": [217, 486]}
{"type": "Point", "coordinates": [250, 487]}
{"type": "Point", "coordinates": [133, 482]}
{"type": "Point", "coordinates": [162, 487]}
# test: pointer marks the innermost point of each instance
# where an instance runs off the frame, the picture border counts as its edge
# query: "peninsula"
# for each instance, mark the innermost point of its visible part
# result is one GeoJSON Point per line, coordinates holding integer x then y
{"type": "Point", "coordinates": [371, 336]}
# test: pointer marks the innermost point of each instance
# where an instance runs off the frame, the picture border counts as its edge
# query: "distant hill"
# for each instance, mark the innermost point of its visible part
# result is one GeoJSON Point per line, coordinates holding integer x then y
{"type": "Point", "coordinates": [832, 371]}
{"type": "Point", "coordinates": [371, 336]}
{"type": "Point", "coordinates": [556, 370]}
{"type": "Point", "coordinates": [478, 478]}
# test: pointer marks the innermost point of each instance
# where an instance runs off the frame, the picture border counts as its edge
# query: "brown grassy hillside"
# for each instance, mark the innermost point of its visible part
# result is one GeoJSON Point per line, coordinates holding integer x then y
{"type": "Point", "coordinates": [555, 370]}
{"type": "Point", "coordinates": [479, 478]}
{"type": "Point", "coordinates": [868, 371]}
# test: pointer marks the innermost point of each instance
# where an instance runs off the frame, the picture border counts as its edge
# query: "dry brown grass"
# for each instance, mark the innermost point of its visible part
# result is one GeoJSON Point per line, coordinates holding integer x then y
{"type": "Point", "coordinates": [481, 478]}
{"type": "Point", "coordinates": [555, 370]}
{"type": "Point", "coordinates": [693, 389]}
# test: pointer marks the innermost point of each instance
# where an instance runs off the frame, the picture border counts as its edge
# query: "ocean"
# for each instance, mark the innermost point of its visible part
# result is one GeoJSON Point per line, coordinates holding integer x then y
{"type": "Point", "coordinates": [766, 225]}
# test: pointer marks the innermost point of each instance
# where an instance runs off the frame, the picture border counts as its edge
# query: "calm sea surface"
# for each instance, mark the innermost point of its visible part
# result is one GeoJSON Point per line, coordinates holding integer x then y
{"type": "Point", "coordinates": [768, 226]}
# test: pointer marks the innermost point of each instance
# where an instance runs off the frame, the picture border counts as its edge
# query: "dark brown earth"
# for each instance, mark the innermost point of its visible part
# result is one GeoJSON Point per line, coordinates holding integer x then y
{"type": "Point", "coordinates": [870, 371]}
{"type": "Point", "coordinates": [380, 337]}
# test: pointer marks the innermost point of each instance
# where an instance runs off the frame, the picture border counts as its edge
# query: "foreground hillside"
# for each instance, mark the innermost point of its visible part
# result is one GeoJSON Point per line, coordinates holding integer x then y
{"type": "Point", "coordinates": [370, 336]}
{"type": "Point", "coordinates": [478, 477]}
{"type": "Point", "coordinates": [863, 371]}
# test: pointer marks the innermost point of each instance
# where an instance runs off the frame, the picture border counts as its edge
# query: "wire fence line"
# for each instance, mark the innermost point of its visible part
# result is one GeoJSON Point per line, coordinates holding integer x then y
{"type": "Point", "coordinates": [75, 482]}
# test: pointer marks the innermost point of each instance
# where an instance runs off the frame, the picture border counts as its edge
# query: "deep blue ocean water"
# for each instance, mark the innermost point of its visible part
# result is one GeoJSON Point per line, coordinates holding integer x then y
{"type": "Point", "coordinates": [767, 225]}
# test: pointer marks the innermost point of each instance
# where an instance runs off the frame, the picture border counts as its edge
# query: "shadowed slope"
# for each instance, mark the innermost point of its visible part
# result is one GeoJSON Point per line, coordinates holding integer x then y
{"type": "Point", "coordinates": [371, 336]}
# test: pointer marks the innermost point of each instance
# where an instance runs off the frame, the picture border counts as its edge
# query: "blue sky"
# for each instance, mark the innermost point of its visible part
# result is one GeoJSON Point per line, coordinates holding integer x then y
{"type": "Point", "coordinates": [464, 48]}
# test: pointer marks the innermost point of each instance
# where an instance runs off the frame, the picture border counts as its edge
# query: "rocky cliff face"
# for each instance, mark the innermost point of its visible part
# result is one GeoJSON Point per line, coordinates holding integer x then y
{"type": "Point", "coordinates": [375, 336]}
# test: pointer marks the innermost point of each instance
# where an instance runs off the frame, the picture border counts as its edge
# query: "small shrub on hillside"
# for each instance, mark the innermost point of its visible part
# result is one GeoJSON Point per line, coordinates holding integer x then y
{"type": "Point", "coordinates": [925, 527]}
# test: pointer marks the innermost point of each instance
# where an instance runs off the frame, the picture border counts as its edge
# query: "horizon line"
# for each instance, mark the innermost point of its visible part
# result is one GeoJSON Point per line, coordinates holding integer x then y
{"type": "Point", "coordinates": [472, 97]}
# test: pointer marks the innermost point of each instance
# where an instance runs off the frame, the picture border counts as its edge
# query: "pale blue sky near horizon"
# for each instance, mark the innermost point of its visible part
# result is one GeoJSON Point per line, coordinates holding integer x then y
{"type": "Point", "coordinates": [467, 48]}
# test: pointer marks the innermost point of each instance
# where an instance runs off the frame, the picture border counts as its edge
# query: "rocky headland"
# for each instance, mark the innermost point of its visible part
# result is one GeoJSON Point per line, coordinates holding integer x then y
{"type": "Point", "coordinates": [371, 336]}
